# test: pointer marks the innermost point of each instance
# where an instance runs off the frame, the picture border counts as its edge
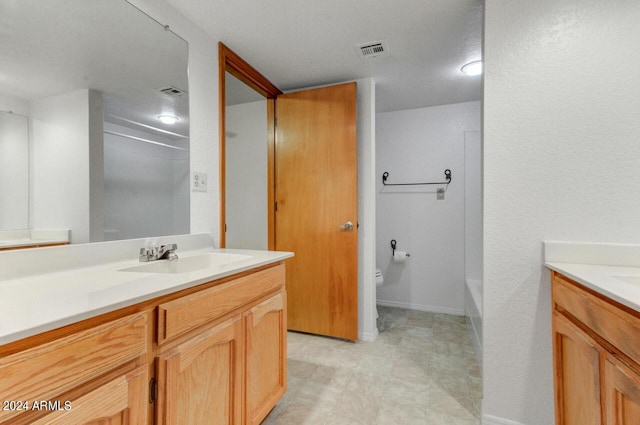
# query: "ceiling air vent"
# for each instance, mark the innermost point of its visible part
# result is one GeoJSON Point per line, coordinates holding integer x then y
{"type": "Point", "coordinates": [372, 49]}
{"type": "Point", "coordinates": [172, 91]}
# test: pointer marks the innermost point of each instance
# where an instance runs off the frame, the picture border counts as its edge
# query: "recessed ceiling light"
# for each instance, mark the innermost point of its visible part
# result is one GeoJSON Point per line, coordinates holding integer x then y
{"type": "Point", "coordinates": [168, 119]}
{"type": "Point", "coordinates": [472, 68]}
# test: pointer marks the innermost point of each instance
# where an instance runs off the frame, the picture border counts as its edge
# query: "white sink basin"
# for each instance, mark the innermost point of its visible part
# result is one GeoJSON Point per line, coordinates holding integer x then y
{"type": "Point", "coordinates": [188, 264]}
{"type": "Point", "coordinates": [634, 280]}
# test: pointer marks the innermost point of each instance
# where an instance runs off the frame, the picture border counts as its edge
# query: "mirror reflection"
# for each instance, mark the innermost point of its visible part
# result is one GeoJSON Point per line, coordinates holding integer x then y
{"type": "Point", "coordinates": [246, 166]}
{"type": "Point", "coordinates": [90, 81]}
{"type": "Point", "coordinates": [14, 171]}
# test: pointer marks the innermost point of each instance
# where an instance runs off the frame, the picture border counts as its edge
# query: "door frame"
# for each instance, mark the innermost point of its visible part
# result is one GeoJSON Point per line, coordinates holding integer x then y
{"type": "Point", "coordinates": [229, 61]}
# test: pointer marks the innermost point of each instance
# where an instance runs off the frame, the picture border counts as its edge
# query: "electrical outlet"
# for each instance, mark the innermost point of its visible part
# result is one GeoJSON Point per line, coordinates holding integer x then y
{"type": "Point", "coordinates": [199, 182]}
{"type": "Point", "coordinates": [440, 193]}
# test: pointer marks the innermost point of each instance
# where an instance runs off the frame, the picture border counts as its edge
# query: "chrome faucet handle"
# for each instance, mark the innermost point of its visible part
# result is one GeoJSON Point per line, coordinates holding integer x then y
{"type": "Point", "coordinates": [153, 253]}
{"type": "Point", "coordinates": [168, 252]}
{"type": "Point", "coordinates": [144, 255]}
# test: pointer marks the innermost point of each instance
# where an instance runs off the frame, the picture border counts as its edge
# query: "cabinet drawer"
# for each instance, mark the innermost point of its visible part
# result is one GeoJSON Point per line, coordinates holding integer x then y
{"type": "Point", "coordinates": [50, 369]}
{"type": "Point", "coordinates": [615, 324]}
{"type": "Point", "coordinates": [183, 314]}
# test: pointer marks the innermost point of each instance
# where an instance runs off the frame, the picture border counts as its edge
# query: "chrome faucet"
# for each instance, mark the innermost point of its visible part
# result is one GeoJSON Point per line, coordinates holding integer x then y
{"type": "Point", "coordinates": [161, 252]}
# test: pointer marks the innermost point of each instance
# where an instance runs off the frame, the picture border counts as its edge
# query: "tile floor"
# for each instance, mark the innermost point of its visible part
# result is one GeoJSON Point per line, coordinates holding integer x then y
{"type": "Point", "coordinates": [421, 370]}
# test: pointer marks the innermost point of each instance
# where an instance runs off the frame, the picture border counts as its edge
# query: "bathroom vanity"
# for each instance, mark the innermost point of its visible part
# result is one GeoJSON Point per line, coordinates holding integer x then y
{"type": "Point", "coordinates": [205, 343]}
{"type": "Point", "coordinates": [596, 336]}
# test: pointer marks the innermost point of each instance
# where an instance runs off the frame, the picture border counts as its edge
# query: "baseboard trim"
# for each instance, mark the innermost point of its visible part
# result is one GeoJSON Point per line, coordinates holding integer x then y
{"type": "Point", "coordinates": [368, 336]}
{"type": "Point", "coordinates": [420, 307]}
{"type": "Point", "coordinates": [494, 420]}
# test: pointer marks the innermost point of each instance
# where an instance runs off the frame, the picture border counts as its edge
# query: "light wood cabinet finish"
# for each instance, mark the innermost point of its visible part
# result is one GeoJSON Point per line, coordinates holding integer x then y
{"type": "Point", "coordinates": [178, 316]}
{"type": "Point", "coordinates": [616, 324]}
{"type": "Point", "coordinates": [596, 357]}
{"type": "Point", "coordinates": [266, 357]}
{"type": "Point", "coordinates": [577, 360]}
{"type": "Point", "coordinates": [50, 369]}
{"type": "Point", "coordinates": [213, 354]}
{"type": "Point", "coordinates": [622, 393]}
{"type": "Point", "coordinates": [199, 381]}
{"type": "Point", "coordinates": [119, 402]}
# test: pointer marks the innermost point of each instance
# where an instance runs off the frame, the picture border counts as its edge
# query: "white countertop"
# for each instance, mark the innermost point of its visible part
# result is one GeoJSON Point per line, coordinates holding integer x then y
{"type": "Point", "coordinates": [33, 304]}
{"type": "Point", "coordinates": [600, 267]}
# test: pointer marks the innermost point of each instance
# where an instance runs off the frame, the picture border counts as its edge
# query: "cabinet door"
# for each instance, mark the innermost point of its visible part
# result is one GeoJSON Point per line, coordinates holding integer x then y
{"type": "Point", "coordinates": [266, 346]}
{"type": "Point", "coordinates": [576, 360]}
{"type": "Point", "coordinates": [62, 364]}
{"type": "Point", "coordinates": [122, 401]}
{"type": "Point", "coordinates": [622, 393]}
{"type": "Point", "coordinates": [200, 381]}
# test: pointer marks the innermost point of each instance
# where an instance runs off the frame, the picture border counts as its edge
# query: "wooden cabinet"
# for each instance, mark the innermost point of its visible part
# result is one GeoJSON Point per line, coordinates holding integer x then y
{"type": "Point", "coordinates": [200, 380]}
{"type": "Point", "coordinates": [49, 370]}
{"type": "Point", "coordinates": [622, 393]}
{"type": "Point", "coordinates": [121, 401]}
{"type": "Point", "coordinates": [577, 364]}
{"type": "Point", "coordinates": [266, 346]}
{"type": "Point", "coordinates": [183, 314]}
{"type": "Point", "coordinates": [596, 349]}
{"type": "Point", "coordinates": [210, 355]}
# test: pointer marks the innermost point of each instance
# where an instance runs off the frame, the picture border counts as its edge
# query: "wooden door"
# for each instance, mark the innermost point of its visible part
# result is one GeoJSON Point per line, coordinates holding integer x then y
{"type": "Point", "coordinates": [622, 393]}
{"type": "Point", "coordinates": [577, 374]}
{"type": "Point", "coordinates": [266, 348]}
{"type": "Point", "coordinates": [316, 196]}
{"type": "Point", "coordinates": [122, 401]}
{"type": "Point", "coordinates": [199, 381]}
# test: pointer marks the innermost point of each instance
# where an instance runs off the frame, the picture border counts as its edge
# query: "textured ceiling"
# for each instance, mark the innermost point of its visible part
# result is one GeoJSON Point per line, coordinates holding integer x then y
{"type": "Point", "coordinates": [303, 43]}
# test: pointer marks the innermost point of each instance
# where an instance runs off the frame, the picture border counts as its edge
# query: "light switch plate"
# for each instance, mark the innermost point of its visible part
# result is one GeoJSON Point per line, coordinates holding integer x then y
{"type": "Point", "coordinates": [440, 193]}
{"type": "Point", "coordinates": [199, 182]}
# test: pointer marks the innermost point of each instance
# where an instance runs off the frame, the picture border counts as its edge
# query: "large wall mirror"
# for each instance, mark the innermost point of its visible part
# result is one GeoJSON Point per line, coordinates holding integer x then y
{"type": "Point", "coordinates": [94, 120]}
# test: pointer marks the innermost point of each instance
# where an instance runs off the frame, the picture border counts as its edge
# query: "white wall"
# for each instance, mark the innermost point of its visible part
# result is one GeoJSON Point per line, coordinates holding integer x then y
{"type": "Point", "coordinates": [366, 130]}
{"type": "Point", "coordinates": [246, 180]}
{"type": "Point", "coordinates": [14, 171]}
{"type": "Point", "coordinates": [20, 106]}
{"type": "Point", "coordinates": [14, 104]}
{"type": "Point", "coordinates": [61, 194]}
{"type": "Point", "coordinates": [417, 145]}
{"type": "Point", "coordinates": [473, 205]}
{"type": "Point", "coordinates": [561, 127]}
{"type": "Point", "coordinates": [146, 186]}
{"type": "Point", "coordinates": [473, 237]}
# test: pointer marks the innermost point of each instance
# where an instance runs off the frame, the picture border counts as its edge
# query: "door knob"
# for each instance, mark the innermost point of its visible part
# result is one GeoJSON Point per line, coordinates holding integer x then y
{"type": "Point", "coordinates": [347, 226]}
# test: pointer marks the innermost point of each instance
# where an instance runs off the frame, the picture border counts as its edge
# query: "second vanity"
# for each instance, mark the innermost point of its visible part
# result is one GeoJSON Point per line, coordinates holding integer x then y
{"type": "Point", "coordinates": [198, 341]}
{"type": "Point", "coordinates": [596, 332]}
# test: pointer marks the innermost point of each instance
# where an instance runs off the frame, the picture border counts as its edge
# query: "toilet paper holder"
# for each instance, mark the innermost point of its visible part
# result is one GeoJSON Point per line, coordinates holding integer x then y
{"type": "Point", "coordinates": [394, 245]}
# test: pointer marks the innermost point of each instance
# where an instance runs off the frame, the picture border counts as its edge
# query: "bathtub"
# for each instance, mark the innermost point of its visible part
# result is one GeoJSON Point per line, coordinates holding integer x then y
{"type": "Point", "coordinates": [473, 312]}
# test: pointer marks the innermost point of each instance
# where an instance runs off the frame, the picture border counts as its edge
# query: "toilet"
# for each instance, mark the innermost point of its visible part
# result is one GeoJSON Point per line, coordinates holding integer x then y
{"type": "Point", "coordinates": [379, 282]}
